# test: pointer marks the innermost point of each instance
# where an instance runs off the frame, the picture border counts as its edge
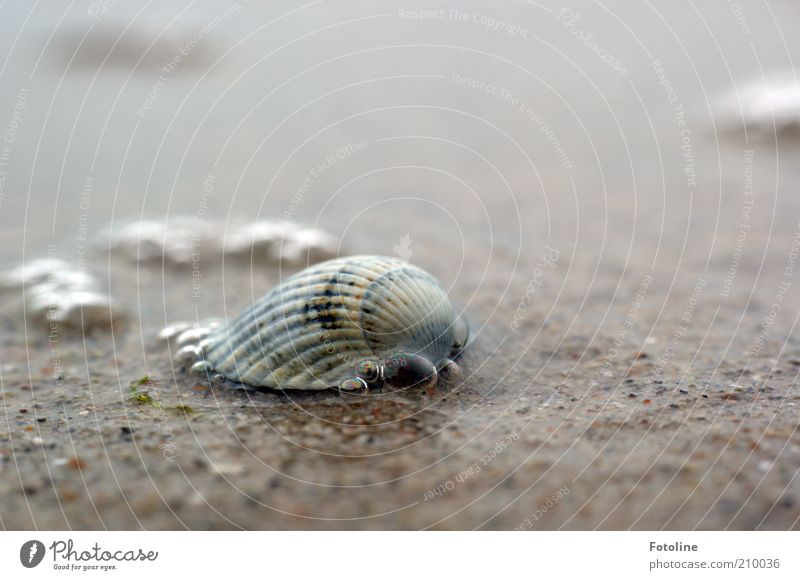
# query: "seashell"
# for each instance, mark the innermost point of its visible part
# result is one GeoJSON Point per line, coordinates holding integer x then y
{"type": "Point", "coordinates": [178, 242]}
{"type": "Point", "coordinates": [347, 323]}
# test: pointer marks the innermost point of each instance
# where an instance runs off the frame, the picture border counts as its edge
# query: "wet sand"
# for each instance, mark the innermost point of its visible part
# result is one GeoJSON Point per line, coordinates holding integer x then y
{"type": "Point", "coordinates": [632, 287]}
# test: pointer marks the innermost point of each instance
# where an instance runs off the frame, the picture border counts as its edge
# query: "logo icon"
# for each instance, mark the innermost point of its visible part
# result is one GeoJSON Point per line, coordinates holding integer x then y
{"type": "Point", "coordinates": [31, 553]}
{"type": "Point", "coordinates": [403, 249]}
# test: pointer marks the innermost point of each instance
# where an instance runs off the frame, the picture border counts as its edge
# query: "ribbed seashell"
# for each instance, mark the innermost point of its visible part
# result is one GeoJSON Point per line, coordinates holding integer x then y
{"type": "Point", "coordinates": [346, 323]}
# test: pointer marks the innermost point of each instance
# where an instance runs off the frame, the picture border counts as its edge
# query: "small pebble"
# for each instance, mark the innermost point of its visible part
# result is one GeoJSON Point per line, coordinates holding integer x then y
{"type": "Point", "coordinates": [75, 463]}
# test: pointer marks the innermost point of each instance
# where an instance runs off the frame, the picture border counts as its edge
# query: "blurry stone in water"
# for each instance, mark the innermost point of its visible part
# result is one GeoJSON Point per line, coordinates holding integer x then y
{"type": "Point", "coordinates": [177, 241]}
{"type": "Point", "coordinates": [185, 241]}
{"type": "Point", "coordinates": [281, 242]}
{"type": "Point", "coordinates": [56, 292]}
{"type": "Point", "coordinates": [765, 107]}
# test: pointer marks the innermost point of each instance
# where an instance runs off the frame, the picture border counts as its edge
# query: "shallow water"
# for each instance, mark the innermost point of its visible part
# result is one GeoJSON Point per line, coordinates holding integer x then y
{"type": "Point", "coordinates": [623, 242]}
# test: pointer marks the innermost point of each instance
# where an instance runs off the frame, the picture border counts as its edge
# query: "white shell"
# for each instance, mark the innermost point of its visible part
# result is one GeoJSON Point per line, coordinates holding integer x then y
{"type": "Point", "coordinates": [312, 331]}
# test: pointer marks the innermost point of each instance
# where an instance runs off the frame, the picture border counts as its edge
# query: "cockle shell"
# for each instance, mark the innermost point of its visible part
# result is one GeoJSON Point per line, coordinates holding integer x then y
{"type": "Point", "coordinates": [346, 323]}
